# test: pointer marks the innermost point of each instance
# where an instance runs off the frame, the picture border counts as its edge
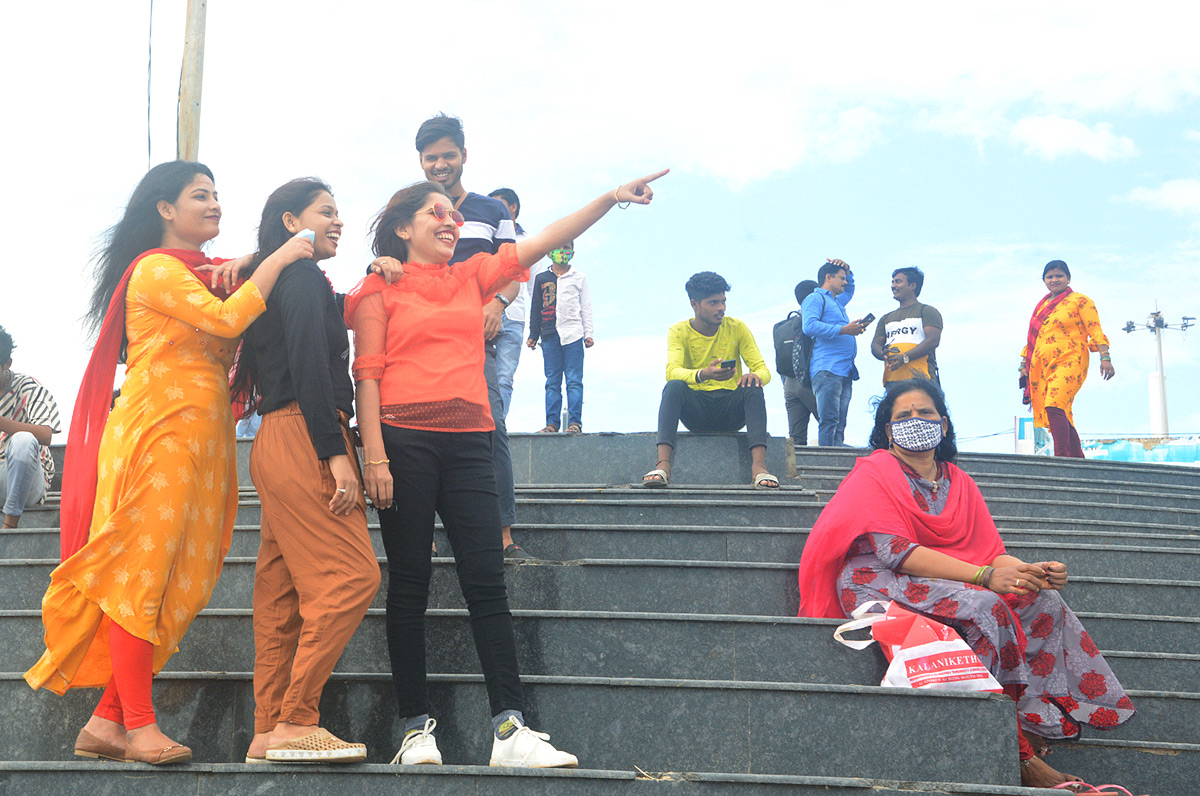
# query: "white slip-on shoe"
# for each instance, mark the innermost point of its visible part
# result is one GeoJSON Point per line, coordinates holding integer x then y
{"type": "Point", "coordinates": [419, 748]}
{"type": "Point", "coordinates": [528, 749]}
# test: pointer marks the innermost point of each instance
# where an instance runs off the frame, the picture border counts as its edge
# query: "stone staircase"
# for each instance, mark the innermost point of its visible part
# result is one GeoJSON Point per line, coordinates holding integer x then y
{"type": "Point", "coordinates": [658, 642]}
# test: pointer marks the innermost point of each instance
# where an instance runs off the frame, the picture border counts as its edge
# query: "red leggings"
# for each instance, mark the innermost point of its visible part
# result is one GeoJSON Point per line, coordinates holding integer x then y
{"type": "Point", "coordinates": [126, 700]}
{"type": "Point", "coordinates": [1066, 438]}
{"type": "Point", "coordinates": [1024, 748]}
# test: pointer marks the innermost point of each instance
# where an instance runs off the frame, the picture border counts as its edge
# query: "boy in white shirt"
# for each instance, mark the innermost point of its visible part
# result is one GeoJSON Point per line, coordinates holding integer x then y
{"type": "Point", "coordinates": [561, 315]}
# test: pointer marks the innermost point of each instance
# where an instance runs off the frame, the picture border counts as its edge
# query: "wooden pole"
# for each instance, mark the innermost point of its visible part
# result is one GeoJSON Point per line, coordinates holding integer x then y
{"type": "Point", "coordinates": [191, 79]}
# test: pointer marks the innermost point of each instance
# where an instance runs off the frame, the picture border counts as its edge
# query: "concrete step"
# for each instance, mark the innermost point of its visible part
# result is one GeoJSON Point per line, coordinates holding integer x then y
{"type": "Point", "coordinates": [603, 644]}
{"type": "Point", "coordinates": [209, 779]}
{"type": "Point", "coordinates": [1113, 554]}
{"type": "Point", "coordinates": [730, 587]}
{"type": "Point", "coordinates": [1143, 767]}
{"type": "Point", "coordinates": [826, 479]}
{"type": "Point", "coordinates": [724, 458]}
{"type": "Point", "coordinates": [612, 724]}
{"type": "Point", "coordinates": [981, 464]}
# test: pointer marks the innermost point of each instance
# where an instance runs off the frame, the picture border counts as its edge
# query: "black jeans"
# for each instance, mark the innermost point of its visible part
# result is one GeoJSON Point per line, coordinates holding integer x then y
{"type": "Point", "coordinates": [453, 474]}
{"type": "Point", "coordinates": [712, 410]}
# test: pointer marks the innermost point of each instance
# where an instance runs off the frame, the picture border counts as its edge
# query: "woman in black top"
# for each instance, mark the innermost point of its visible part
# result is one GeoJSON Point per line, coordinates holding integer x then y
{"type": "Point", "coordinates": [316, 571]}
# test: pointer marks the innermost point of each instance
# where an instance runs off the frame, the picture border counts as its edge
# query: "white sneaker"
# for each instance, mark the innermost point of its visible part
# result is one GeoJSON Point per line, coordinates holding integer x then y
{"type": "Point", "coordinates": [528, 749]}
{"type": "Point", "coordinates": [419, 748]}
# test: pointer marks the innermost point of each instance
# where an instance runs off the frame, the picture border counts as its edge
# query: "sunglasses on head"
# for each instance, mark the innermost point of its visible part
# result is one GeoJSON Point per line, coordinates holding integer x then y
{"type": "Point", "coordinates": [440, 212]}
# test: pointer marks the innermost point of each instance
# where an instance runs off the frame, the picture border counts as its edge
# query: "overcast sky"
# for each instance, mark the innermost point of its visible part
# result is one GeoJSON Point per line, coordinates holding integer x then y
{"type": "Point", "coordinates": [977, 141]}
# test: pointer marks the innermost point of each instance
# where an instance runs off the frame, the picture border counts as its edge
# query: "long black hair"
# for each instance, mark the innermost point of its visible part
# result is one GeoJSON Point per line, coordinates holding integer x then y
{"type": "Point", "coordinates": [292, 197]}
{"type": "Point", "coordinates": [400, 210]}
{"type": "Point", "coordinates": [140, 229]}
{"type": "Point", "coordinates": [947, 450]}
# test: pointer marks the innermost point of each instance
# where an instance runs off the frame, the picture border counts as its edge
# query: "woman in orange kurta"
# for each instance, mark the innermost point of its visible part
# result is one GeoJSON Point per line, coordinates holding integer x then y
{"type": "Point", "coordinates": [1054, 363]}
{"type": "Point", "coordinates": [165, 471]}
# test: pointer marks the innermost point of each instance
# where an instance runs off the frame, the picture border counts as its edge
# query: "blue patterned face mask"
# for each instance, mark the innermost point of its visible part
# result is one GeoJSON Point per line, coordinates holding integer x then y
{"type": "Point", "coordinates": [916, 433]}
{"type": "Point", "coordinates": [561, 256]}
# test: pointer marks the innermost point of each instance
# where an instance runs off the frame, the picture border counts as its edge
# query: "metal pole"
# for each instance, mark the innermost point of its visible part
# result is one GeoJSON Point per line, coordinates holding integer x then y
{"type": "Point", "coordinates": [1162, 378]}
{"type": "Point", "coordinates": [190, 81]}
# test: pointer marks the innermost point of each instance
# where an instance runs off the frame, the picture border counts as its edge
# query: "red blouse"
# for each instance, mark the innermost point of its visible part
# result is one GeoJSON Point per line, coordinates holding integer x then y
{"type": "Point", "coordinates": [422, 337]}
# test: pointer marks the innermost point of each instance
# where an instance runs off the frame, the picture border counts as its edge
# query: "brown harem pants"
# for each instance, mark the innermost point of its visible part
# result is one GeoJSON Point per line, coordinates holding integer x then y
{"type": "Point", "coordinates": [315, 577]}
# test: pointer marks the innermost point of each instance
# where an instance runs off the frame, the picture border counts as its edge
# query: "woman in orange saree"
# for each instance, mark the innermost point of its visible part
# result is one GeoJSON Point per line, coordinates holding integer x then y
{"type": "Point", "coordinates": [150, 490]}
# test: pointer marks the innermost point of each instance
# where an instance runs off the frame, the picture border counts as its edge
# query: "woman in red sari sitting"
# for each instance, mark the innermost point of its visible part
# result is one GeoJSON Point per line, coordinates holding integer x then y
{"type": "Point", "coordinates": [908, 525]}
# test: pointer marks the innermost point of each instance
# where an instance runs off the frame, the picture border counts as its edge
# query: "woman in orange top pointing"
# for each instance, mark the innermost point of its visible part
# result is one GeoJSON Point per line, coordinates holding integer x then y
{"type": "Point", "coordinates": [150, 490]}
{"type": "Point", "coordinates": [424, 416]}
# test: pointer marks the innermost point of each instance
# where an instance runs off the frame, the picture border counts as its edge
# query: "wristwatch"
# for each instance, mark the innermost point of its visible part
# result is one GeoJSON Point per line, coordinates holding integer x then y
{"type": "Point", "coordinates": [906, 359]}
{"type": "Point", "coordinates": [502, 299]}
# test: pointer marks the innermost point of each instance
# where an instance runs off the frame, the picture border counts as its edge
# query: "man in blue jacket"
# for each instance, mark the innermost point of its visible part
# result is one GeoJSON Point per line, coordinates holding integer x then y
{"type": "Point", "coordinates": [832, 365]}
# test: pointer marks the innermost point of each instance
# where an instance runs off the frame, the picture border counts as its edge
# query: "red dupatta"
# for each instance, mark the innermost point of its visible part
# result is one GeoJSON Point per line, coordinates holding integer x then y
{"type": "Point", "coordinates": [876, 498]}
{"type": "Point", "coordinates": [93, 402]}
{"type": "Point", "coordinates": [1040, 313]}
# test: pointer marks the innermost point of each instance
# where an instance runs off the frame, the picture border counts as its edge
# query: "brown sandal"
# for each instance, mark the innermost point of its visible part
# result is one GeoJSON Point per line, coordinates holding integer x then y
{"type": "Point", "coordinates": [549, 429]}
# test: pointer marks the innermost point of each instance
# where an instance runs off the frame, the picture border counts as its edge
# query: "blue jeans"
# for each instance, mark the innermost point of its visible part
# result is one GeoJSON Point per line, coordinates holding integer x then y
{"type": "Point", "coordinates": [22, 481]}
{"type": "Point", "coordinates": [833, 402]}
{"type": "Point", "coordinates": [563, 360]}
{"type": "Point", "coordinates": [508, 356]}
{"type": "Point", "coordinates": [501, 456]}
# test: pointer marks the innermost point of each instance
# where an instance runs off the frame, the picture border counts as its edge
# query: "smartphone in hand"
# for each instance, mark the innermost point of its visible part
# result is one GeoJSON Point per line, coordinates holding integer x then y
{"type": "Point", "coordinates": [728, 363]}
{"type": "Point", "coordinates": [870, 316]}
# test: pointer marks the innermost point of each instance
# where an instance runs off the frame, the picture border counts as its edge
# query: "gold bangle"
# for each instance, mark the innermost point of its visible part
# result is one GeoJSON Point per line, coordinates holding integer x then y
{"type": "Point", "coordinates": [381, 461]}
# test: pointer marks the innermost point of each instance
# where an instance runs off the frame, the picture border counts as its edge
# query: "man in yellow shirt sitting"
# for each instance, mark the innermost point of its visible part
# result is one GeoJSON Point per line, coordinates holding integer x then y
{"type": "Point", "coordinates": [706, 387]}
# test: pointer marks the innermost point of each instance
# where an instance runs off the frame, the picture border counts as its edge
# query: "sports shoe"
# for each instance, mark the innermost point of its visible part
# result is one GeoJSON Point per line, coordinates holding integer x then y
{"type": "Point", "coordinates": [419, 748]}
{"type": "Point", "coordinates": [528, 749]}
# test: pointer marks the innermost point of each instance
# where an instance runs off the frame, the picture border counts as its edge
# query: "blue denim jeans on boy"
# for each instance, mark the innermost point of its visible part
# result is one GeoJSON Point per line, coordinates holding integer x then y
{"type": "Point", "coordinates": [833, 402]}
{"type": "Point", "coordinates": [22, 481]}
{"type": "Point", "coordinates": [508, 356]}
{"type": "Point", "coordinates": [563, 360]}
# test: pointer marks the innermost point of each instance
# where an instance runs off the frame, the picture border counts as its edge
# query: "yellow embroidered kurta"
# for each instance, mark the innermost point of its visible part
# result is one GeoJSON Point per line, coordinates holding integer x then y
{"type": "Point", "coordinates": [166, 492]}
{"type": "Point", "coordinates": [1060, 358]}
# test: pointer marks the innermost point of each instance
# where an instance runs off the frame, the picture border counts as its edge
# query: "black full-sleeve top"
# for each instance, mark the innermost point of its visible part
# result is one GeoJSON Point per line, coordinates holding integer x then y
{"type": "Point", "coordinates": [302, 351]}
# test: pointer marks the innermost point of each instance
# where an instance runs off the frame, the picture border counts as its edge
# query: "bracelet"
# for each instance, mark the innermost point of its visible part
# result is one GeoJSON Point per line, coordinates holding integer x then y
{"type": "Point", "coordinates": [381, 461]}
{"type": "Point", "coordinates": [1104, 357]}
{"type": "Point", "coordinates": [503, 299]}
{"type": "Point", "coordinates": [617, 199]}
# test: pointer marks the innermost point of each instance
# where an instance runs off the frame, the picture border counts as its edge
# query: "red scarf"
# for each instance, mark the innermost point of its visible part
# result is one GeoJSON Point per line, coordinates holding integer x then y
{"type": "Point", "coordinates": [1040, 313]}
{"type": "Point", "coordinates": [94, 401]}
{"type": "Point", "coordinates": [876, 498]}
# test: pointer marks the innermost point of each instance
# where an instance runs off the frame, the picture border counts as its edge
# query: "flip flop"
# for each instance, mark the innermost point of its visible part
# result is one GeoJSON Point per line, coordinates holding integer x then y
{"type": "Point", "coordinates": [656, 479]}
{"type": "Point", "coordinates": [1092, 790]}
{"type": "Point", "coordinates": [761, 479]}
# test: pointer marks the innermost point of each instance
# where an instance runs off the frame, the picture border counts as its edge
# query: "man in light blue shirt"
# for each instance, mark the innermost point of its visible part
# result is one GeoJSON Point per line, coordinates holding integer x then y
{"type": "Point", "coordinates": [831, 367]}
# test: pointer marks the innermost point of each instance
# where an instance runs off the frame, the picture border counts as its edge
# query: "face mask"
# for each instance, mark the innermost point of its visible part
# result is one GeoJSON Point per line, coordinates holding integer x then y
{"type": "Point", "coordinates": [916, 433]}
{"type": "Point", "coordinates": [561, 256]}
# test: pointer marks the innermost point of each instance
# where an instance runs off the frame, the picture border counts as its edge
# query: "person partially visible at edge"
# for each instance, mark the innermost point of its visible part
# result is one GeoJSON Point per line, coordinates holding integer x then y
{"type": "Point", "coordinates": [703, 391]}
{"type": "Point", "coordinates": [798, 400]}
{"type": "Point", "coordinates": [1054, 362]}
{"type": "Point", "coordinates": [908, 525]}
{"type": "Point", "coordinates": [150, 490]}
{"type": "Point", "coordinates": [831, 368]}
{"type": "Point", "coordinates": [441, 144]}
{"type": "Point", "coordinates": [905, 338]}
{"type": "Point", "coordinates": [316, 571]}
{"type": "Point", "coordinates": [28, 420]}
{"type": "Point", "coordinates": [508, 344]}
{"type": "Point", "coordinates": [562, 319]}
{"type": "Point", "coordinates": [425, 422]}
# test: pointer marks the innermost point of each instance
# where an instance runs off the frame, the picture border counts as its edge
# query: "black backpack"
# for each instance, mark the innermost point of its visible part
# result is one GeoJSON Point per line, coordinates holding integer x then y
{"type": "Point", "coordinates": [786, 332]}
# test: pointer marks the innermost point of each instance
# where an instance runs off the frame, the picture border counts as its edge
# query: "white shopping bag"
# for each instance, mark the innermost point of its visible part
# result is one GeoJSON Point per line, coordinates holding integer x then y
{"type": "Point", "coordinates": [923, 653]}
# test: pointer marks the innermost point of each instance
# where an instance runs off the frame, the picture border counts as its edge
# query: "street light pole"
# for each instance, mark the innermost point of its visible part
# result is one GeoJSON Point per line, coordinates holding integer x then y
{"type": "Point", "coordinates": [191, 78]}
{"type": "Point", "coordinates": [1158, 379]}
